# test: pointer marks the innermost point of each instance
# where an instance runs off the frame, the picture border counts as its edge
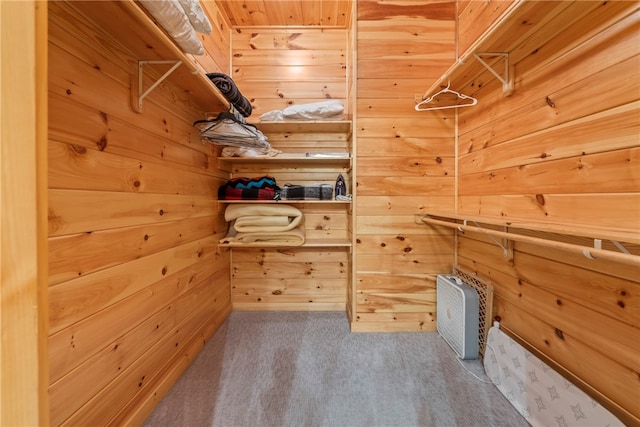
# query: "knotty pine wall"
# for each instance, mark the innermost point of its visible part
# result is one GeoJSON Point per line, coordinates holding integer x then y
{"type": "Point", "coordinates": [136, 283]}
{"type": "Point", "coordinates": [405, 163]}
{"type": "Point", "coordinates": [563, 148]}
{"type": "Point", "coordinates": [279, 67]}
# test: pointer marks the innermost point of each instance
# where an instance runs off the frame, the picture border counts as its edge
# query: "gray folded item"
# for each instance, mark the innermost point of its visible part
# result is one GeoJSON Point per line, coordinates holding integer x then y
{"type": "Point", "coordinates": [300, 192]}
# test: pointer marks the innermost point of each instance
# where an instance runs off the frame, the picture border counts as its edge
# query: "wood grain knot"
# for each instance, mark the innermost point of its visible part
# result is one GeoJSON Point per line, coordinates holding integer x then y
{"type": "Point", "coordinates": [78, 149]}
{"type": "Point", "coordinates": [560, 334]}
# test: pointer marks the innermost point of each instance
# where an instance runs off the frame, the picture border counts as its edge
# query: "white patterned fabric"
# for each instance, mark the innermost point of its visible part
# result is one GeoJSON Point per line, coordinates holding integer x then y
{"type": "Point", "coordinates": [330, 109]}
{"type": "Point", "coordinates": [539, 393]}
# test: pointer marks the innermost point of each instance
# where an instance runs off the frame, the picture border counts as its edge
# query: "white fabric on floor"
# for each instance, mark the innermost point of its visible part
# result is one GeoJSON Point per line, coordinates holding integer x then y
{"type": "Point", "coordinates": [539, 393]}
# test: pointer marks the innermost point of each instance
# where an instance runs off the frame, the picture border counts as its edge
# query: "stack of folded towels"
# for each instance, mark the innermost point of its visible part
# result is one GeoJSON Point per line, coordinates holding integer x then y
{"type": "Point", "coordinates": [267, 224]}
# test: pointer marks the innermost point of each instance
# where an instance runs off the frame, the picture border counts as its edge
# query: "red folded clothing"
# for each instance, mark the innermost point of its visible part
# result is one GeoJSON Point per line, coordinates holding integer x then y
{"type": "Point", "coordinates": [241, 188]}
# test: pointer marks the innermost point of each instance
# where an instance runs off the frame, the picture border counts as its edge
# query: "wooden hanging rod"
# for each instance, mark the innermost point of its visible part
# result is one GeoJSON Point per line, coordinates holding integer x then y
{"type": "Point", "coordinates": [589, 252]}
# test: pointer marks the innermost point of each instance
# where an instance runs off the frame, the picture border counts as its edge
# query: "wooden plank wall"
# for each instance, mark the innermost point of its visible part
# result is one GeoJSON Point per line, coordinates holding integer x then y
{"type": "Point", "coordinates": [405, 162]}
{"type": "Point", "coordinates": [136, 283]}
{"type": "Point", "coordinates": [296, 279]}
{"type": "Point", "coordinates": [279, 67]}
{"type": "Point", "coordinates": [564, 148]}
{"type": "Point", "coordinates": [281, 13]}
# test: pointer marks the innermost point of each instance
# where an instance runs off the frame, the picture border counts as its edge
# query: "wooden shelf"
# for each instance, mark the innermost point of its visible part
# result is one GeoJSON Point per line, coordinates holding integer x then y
{"type": "Point", "coordinates": [130, 26]}
{"type": "Point", "coordinates": [309, 243]}
{"type": "Point", "coordinates": [286, 160]}
{"type": "Point", "coordinates": [523, 29]}
{"type": "Point", "coordinates": [305, 126]}
{"type": "Point", "coordinates": [288, 202]}
{"type": "Point", "coordinates": [301, 169]}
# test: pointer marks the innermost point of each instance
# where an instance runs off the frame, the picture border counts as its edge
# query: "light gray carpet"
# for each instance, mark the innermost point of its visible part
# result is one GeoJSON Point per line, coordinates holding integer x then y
{"type": "Point", "coordinates": [308, 369]}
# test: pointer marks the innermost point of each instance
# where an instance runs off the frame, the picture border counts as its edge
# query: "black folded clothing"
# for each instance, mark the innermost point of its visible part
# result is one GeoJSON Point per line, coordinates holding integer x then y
{"type": "Point", "coordinates": [230, 91]}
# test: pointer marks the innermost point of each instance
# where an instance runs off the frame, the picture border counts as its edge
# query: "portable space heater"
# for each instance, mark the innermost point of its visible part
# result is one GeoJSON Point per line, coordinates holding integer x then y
{"type": "Point", "coordinates": [457, 315]}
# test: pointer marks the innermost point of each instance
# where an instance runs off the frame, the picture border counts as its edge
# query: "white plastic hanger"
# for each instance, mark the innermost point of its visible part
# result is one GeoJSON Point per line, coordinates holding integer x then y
{"type": "Point", "coordinates": [472, 100]}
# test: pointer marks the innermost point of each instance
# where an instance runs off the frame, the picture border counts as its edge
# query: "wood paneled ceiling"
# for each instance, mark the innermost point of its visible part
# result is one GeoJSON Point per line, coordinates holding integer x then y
{"type": "Point", "coordinates": [291, 13]}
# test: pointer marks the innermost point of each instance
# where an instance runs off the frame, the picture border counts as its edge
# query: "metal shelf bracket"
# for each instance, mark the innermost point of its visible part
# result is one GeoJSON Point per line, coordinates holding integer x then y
{"type": "Point", "coordinates": [507, 76]}
{"type": "Point", "coordinates": [137, 91]}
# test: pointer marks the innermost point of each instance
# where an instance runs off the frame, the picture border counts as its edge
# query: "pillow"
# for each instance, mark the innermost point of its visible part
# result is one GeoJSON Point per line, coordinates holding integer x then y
{"type": "Point", "coordinates": [196, 16]}
{"type": "Point", "coordinates": [313, 111]}
{"type": "Point", "coordinates": [171, 17]}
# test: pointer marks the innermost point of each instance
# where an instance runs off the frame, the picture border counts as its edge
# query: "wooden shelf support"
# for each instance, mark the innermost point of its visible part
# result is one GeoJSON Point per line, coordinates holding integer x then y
{"type": "Point", "coordinates": [137, 94]}
{"type": "Point", "coordinates": [507, 77]}
{"type": "Point", "coordinates": [620, 246]}
{"type": "Point", "coordinates": [505, 245]}
{"type": "Point", "coordinates": [123, 22]}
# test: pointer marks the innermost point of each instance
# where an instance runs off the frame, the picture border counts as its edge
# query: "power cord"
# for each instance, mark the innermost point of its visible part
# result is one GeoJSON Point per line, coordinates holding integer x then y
{"type": "Point", "coordinates": [467, 369]}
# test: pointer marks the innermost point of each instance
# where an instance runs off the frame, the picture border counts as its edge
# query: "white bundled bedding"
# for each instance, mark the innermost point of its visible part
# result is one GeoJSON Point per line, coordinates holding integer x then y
{"type": "Point", "coordinates": [181, 19]}
{"type": "Point", "coordinates": [277, 225]}
{"type": "Point", "coordinates": [323, 110]}
{"type": "Point", "coordinates": [294, 237]}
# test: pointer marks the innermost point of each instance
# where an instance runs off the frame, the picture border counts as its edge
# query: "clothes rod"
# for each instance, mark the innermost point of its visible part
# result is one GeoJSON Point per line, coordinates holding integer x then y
{"type": "Point", "coordinates": [591, 253]}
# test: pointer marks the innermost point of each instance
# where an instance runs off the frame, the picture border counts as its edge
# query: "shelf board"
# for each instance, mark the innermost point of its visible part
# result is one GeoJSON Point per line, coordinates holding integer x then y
{"type": "Point", "coordinates": [131, 27]}
{"type": "Point", "coordinates": [288, 202]}
{"type": "Point", "coordinates": [288, 159]}
{"type": "Point", "coordinates": [593, 232]}
{"type": "Point", "coordinates": [309, 243]}
{"type": "Point", "coordinates": [523, 29]}
{"type": "Point", "coordinates": [305, 126]}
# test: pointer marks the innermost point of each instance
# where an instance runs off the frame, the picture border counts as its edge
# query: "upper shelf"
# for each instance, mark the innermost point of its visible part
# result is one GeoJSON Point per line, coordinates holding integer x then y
{"type": "Point", "coordinates": [309, 243]}
{"type": "Point", "coordinates": [305, 126]}
{"type": "Point", "coordinates": [293, 159]}
{"type": "Point", "coordinates": [523, 29]}
{"type": "Point", "coordinates": [287, 202]}
{"type": "Point", "coordinates": [130, 26]}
